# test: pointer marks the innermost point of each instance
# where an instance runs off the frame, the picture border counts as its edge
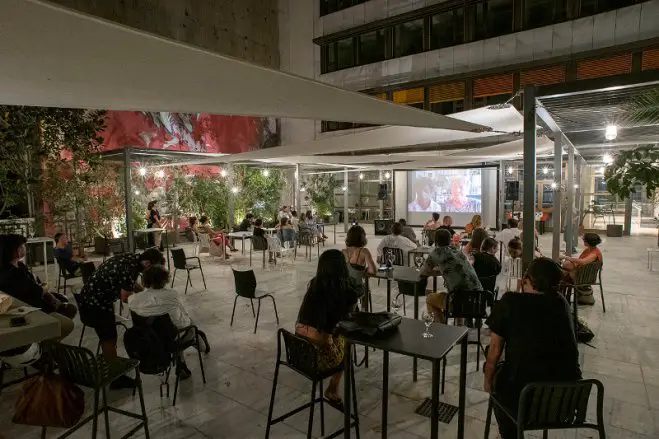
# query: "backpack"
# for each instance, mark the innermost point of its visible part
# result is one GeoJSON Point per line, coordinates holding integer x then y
{"type": "Point", "coordinates": [143, 344]}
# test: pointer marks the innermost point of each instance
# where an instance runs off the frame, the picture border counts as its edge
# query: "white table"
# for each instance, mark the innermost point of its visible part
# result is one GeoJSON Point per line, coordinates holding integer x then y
{"type": "Point", "coordinates": [242, 236]}
{"type": "Point", "coordinates": [40, 326]}
{"type": "Point", "coordinates": [43, 240]}
{"type": "Point", "coordinates": [270, 230]}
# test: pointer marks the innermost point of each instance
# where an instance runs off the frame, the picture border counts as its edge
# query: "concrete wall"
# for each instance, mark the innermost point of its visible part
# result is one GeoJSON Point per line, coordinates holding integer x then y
{"type": "Point", "coordinates": [245, 29]}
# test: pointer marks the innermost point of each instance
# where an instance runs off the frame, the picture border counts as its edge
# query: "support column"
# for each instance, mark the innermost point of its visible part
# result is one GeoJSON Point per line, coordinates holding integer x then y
{"type": "Point", "coordinates": [629, 207]}
{"type": "Point", "coordinates": [345, 201]}
{"type": "Point", "coordinates": [128, 199]}
{"type": "Point", "coordinates": [578, 192]}
{"type": "Point", "coordinates": [231, 181]}
{"type": "Point", "coordinates": [569, 215]}
{"type": "Point", "coordinates": [380, 202]}
{"type": "Point", "coordinates": [529, 175]}
{"type": "Point", "coordinates": [298, 177]}
{"type": "Point", "coordinates": [502, 195]}
{"type": "Point", "coordinates": [558, 194]}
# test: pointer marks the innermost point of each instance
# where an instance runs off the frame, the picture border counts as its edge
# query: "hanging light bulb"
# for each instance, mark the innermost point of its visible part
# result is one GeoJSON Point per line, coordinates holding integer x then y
{"type": "Point", "coordinates": [266, 172]}
{"type": "Point", "coordinates": [601, 170]}
{"type": "Point", "coordinates": [235, 190]}
{"type": "Point", "coordinates": [611, 132]}
{"type": "Point", "coordinates": [302, 189]}
{"type": "Point", "coordinates": [223, 172]}
{"type": "Point", "coordinates": [361, 176]}
{"type": "Point", "coordinates": [137, 192]}
{"type": "Point", "coordinates": [344, 188]}
{"type": "Point", "coordinates": [545, 170]}
{"type": "Point", "coordinates": [576, 186]}
{"type": "Point", "coordinates": [387, 175]}
{"type": "Point", "coordinates": [511, 170]}
{"type": "Point", "coordinates": [160, 174]}
{"type": "Point", "coordinates": [142, 171]}
{"type": "Point", "coordinates": [607, 159]}
{"type": "Point", "coordinates": [554, 185]}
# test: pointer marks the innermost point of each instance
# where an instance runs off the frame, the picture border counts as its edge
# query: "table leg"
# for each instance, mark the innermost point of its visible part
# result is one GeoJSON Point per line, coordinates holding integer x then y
{"type": "Point", "coordinates": [45, 263]}
{"type": "Point", "coordinates": [388, 295]}
{"type": "Point", "coordinates": [434, 416]}
{"type": "Point", "coordinates": [167, 249]}
{"type": "Point", "coordinates": [463, 387]}
{"type": "Point", "coordinates": [243, 247]}
{"type": "Point", "coordinates": [347, 376]}
{"type": "Point", "coordinates": [334, 233]}
{"type": "Point", "coordinates": [416, 317]}
{"type": "Point", "coordinates": [434, 284]}
{"type": "Point", "coordinates": [385, 392]}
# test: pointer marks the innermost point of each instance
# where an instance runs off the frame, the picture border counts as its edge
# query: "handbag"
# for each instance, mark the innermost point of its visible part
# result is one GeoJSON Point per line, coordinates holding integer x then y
{"type": "Point", "coordinates": [49, 401]}
{"type": "Point", "coordinates": [370, 323]}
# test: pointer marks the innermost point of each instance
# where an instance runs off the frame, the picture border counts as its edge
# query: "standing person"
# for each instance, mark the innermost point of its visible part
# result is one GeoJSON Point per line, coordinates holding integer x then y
{"type": "Point", "coordinates": [330, 296]}
{"type": "Point", "coordinates": [64, 255]}
{"type": "Point", "coordinates": [153, 222]}
{"type": "Point", "coordinates": [454, 267]}
{"type": "Point", "coordinates": [447, 223]}
{"type": "Point", "coordinates": [115, 280]}
{"type": "Point", "coordinates": [395, 240]}
{"type": "Point", "coordinates": [17, 281]}
{"type": "Point", "coordinates": [408, 231]}
{"type": "Point", "coordinates": [535, 330]}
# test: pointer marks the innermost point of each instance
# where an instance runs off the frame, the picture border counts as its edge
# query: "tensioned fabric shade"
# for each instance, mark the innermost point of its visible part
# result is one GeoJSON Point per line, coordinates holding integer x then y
{"type": "Point", "coordinates": [52, 56]}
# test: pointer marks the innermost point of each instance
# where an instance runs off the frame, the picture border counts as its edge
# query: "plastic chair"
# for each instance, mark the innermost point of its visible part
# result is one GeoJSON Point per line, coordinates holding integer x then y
{"type": "Point", "coordinates": [203, 244]}
{"type": "Point", "coordinates": [302, 357]}
{"type": "Point", "coordinates": [177, 340]}
{"type": "Point", "coordinates": [79, 366]}
{"type": "Point", "coordinates": [181, 263]}
{"type": "Point", "coordinates": [276, 248]}
{"type": "Point", "coordinates": [552, 406]}
{"type": "Point", "coordinates": [589, 275]}
{"type": "Point", "coordinates": [245, 282]}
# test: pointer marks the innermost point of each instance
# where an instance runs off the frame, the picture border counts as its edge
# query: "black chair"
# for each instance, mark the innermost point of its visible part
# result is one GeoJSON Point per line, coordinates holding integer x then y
{"type": "Point", "coordinates": [64, 274]}
{"type": "Point", "coordinates": [245, 282]}
{"type": "Point", "coordinates": [260, 244]}
{"type": "Point", "coordinates": [307, 239]}
{"type": "Point", "coordinates": [552, 406]}
{"type": "Point", "coordinates": [181, 263]}
{"type": "Point", "coordinates": [399, 259]}
{"type": "Point", "coordinates": [302, 357]}
{"type": "Point", "coordinates": [489, 284]}
{"type": "Point", "coordinates": [79, 366]}
{"type": "Point", "coordinates": [86, 270]}
{"type": "Point", "coordinates": [407, 289]}
{"type": "Point", "coordinates": [88, 320]}
{"type": "Point", "coordinates": [588, 275]}
{"type": "Point", "coordinates": [429, 237]}
{"type": "Point", "coordinates": [176, 341]}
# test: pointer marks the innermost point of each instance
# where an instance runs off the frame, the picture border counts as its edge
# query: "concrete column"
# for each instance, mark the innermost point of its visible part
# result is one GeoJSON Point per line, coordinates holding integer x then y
{"type": "Point", "coordinates": [128, 198]}
{"type": "Point", "coordinates": [528, 208]}
{"type": "Point", "coordinates": [629, 207]}
{"type": "Point", "coordinates": [345, 201]}
{"type": "Point", "coordinates": [380, 202]}
{"type": "Point", "coordinates": [231, 181]}
{"type": "Point", "coordinates": [556, 205]}
{"type": "Point", "coordinates": [569, 187]}
{"type": "Point", "coordinates": [298, 177]}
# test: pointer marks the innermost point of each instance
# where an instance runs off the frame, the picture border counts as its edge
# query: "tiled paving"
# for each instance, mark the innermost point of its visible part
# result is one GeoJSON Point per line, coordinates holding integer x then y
{"type": "Point", "coordinates": [234, 401]}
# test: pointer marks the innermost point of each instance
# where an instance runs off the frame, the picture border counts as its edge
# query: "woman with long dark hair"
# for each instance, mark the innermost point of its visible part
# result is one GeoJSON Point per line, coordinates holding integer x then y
{"type": "Point", "coordinates": [536, 331]}
{"type": "Point", "coordinates": [330, 296]}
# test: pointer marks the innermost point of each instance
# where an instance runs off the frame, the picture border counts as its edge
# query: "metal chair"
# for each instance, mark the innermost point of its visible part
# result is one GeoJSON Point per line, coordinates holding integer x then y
{"type": "Point", "coordinates": [64, 274]}
{"type": "Point", "coordinates": [259, 244]}
{"type": "Point", "coordinates": [245, 282]}
{"type": "Point", "coordinates": [552, 406]}
{"type": "Point", "coordinates": [181, 263]}
{"type": "Point", "coordinates": [407, 289]}
{"type": "Point", "coordinates": [176, 340]}
{"type": "Point", "coordinates": [302, 357]}
{"type": "Point", "coordinates": [79, 366]}
{"type": "Point", "coordinates": [588, 275]}
{"type": "Point", "coordinates": [307, 239]}
{"type": "Point", "coordinates": [88, 320]}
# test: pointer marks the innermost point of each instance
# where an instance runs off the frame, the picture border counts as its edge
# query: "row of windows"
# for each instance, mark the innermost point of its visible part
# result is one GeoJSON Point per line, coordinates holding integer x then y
{"type": "Point", "coordinates": [329, 6]}
{"type": "Point", "coordinates": [487, 19]}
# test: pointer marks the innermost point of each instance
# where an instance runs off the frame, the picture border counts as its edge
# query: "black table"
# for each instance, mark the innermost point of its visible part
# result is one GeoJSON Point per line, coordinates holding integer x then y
{"type": "Point", "coordinates": [420, 250]}
{"type": "Point", "coordinates": [407, 340]}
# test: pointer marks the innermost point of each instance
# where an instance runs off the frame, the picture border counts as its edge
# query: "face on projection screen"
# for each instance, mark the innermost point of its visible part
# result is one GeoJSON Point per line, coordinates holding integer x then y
{"type": "Point", "coordinates": [445, 191]}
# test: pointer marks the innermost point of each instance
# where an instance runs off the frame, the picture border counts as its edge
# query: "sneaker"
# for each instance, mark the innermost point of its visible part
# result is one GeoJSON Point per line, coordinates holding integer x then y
{"type": "Point", "coordinates": [123, 382]}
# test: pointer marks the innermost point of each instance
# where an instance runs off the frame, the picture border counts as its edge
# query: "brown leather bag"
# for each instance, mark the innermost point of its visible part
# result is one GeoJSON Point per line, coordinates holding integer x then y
{"type": "Point", "coordinates": [49, 401]}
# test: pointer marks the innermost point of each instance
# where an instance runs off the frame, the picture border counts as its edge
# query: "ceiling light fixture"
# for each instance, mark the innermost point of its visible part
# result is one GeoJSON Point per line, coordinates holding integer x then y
{"type": "Point", "coordinates": [344, 188]}
{"type": "Point", "coordinates": [235, 190]}
{"type": "Point", "coordinates": [510, 169]}
{"type": "Point", "coordinates": [601, 170]}
{"type": "Point", "coordinates": [611, 132]}
{"type": "Point", "coordinates": [142, 172]}
{"type": "Point", "coordinates": [545, 170]}
{"type": "Point", "coordinates": [554, 185]}
{"type": "Point", "coordinates": [361, 176]}
{"type": "Point", "coordinates": [607, 159]}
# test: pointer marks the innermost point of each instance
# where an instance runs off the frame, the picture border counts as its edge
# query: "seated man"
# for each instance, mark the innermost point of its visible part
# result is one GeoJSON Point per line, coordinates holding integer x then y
{"type": "Point", "coordinates": [395, 240]}
{"type": "Point", "coordinates": [433, 223]}
{"type": "Point", "coordinates": [408, 232]}
{"type": "Point", "coordinates": [509, 233]}
{"type": "Point", "coordinates": [157, 300]}
{"type": "Point", "coordinates": [447, 224]}
{"type": "Point", "coordinates": [246, 223]}
{"type": "Point", "coordinates": [454, 267]}
{"type": "Point", "coordinates": [64, 255]}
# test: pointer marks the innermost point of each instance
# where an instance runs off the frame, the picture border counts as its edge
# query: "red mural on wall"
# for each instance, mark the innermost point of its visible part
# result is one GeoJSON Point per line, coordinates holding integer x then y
{"type": "Point", "coordinates": [190, 132]}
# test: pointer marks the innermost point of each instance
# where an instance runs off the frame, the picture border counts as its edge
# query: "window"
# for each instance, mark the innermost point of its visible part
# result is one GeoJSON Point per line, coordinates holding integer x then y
{"type": "Point", "coordinates": [539, 13]}
{"type": "Point", "coordinates": [412, 97]}
{"type": "Point", "coordinates": [592, 7]}
{"type": "Point", "coordinates": [447, 29]}
{"type": "Point", "coordinates": [491, 100]}
{"type": "Point", "coordinates": [448, 107]}
{"type": "Point", "coordinates": [408, 38]}
{"type": "Point", "coordinates": [372, 47]}
{"type": "Point", "coordinates": [330, 6]}
{"type": "Point", "coordinates": [447, 98]}
{"type": "Point", "coordinates": [600, 184]}
{"type": "Point", "coordinates": [494, 18]}
{"type": "Point", "coordinates": [345, 54]}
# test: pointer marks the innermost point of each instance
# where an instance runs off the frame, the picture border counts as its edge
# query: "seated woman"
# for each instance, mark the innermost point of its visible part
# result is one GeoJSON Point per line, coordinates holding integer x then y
{"type": "Point", "coordinates": [515, 248]}
{"type": "Point", "coordinates": [474, 246]}
{"type": "Point", "coordinates": [64, 255]}
{"type": "Point", "coordinates": [535, 330]}
{"type": "Point", "coordinates": [486, 265]}
{"type": "Point", "coordinates": [590, 254]}
{"type": "Point", "coordinates": [17, 281]}
{"type": "Point", "coordinates": [447, 223]}
{"type": "Point", "coordinates": [476, 223]}
{"type": "Point", "coordinates": [330, 296]}
{"type": "Point", "coordinates": [359, 258]}
{"type": "Point", "coordinates": [192, 231]}
{"type": "Point", "coordinates": [433, 223]}
{"type": "Point", "coordinates": [311, 224]}
{"type": "Point", "coordinates": [218, 237]}
{"type": "Point", "coordinates": [286, 232]}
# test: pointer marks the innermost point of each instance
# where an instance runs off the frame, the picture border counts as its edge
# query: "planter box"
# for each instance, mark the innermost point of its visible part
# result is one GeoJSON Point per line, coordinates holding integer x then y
{"type": "Point", "coordinates": [614, 230]}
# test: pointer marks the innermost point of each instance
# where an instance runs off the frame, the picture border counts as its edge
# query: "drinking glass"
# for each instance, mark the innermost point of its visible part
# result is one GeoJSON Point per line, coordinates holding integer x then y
{"type": "Point", "coordinates": [428, 319]}
{"type": "Point", "coordinates": [418, 261]}
{"type": "Point", "coordinates": [396, 305]}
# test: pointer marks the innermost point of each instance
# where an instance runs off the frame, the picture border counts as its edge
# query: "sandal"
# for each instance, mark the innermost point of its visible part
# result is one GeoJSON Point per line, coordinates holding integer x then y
{"type": "Point", "coordinates": [336, 403]}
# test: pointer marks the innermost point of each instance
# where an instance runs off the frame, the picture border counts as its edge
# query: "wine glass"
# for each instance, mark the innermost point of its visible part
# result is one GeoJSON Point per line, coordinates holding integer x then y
{"type": "Point", "coordinates": [418, 261]}
{"type": "Point", "coordinates": [428, 319]}
{"type": "Point", "coordinates": [396, 305]}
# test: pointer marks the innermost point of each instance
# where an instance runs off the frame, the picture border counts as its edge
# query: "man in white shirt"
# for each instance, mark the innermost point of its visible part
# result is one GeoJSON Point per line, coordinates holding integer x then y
{"type": "Point", "coordinates": [396, 240]}
{"type": "Point", "coordinates": [511, 232]}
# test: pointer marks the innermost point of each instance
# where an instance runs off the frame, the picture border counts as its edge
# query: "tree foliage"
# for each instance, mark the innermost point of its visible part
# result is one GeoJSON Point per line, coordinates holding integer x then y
{"type": "Point", "coordinates": [639, 166]}
{"type": "Point", "coordinates": [259, 194]}
{"type": "Point", "coordinates": [320, 190]}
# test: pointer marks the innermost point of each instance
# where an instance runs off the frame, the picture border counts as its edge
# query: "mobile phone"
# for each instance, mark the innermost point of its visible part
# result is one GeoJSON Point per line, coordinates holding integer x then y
{"type": "Point", "coordinates": [15, 322]}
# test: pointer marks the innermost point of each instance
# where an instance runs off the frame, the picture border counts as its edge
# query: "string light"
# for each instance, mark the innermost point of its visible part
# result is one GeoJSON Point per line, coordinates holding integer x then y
{"type": "Point", "coordinates": [235, 190]}
{"type": "Point", "coordinates": [137, 192]}
{"type": "Point", "coordinates": [545, 170]}
{"type": "Point", "coordinates": [223, 172]}
{"type": "Point", "coordinates": [160, 174]}
{"type": "Point", "coordinates": [554, 185]}
{"type": "Point", "coordinates": [344, 188]}
{"type": "Point", "coordinates": [266, 172]}
{"type": "Point", "coordinates": [142, 172]}
{"type": "Point", "coordinates": [611, 132]}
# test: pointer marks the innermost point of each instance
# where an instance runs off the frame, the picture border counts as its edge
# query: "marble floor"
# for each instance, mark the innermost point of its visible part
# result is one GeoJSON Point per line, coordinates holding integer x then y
{"type": "Point", "coordinates": [239, 369]}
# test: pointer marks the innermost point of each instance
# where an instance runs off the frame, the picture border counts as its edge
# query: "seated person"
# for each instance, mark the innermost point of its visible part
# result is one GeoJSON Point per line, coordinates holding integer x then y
{"type": "Point", "coordinates": [474, 246]}
{"type": "Point", "coordinates": [476, 222]}
{"type": "Point", "coordinates": [294, 220]}
{"type": "Point", "coordinates": [408, 232]}
{"type": "Point", "coordinates": [330, 296]}
{"type": "Point", "coordinates": [515, 248]}
{"type": "Point", "coordinates": [433, 223]}
{"type": "Point", "coordinates": [17, 281]}
{"type": "Point", "coordinates": [258, 232]}
{"type": "Point", "coordinates": [447, 223]}
{"type": "Point", "coordinates": [395, 240]}
{"type": "Point", "coordinates": [64, 255]}
{"type": "Point", "coordinates": [359, 258]}
{"type": "Point", "coordinates": [246, 223]}
{"type": "Point", "coordinates": [509, 233]}
{"type": "Point", "coordinates": [486, 265]}
{"type": "Point", "coordinates": [192, 231]}
{"type": "Point", "coordinates": [453, 266]}
{"type": "Point", "coordinates": [590, 254]}
{"type": "Point", "coordinates": [286, 232]}
{"type": "Point", "coordinates": [219, 238]}
{"type": "Point", "coordinates": [157, 300]}
{"type": "Point", "coordinates": [311, 224]}
{"type": "Point", "coordinates": [535, 330]}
